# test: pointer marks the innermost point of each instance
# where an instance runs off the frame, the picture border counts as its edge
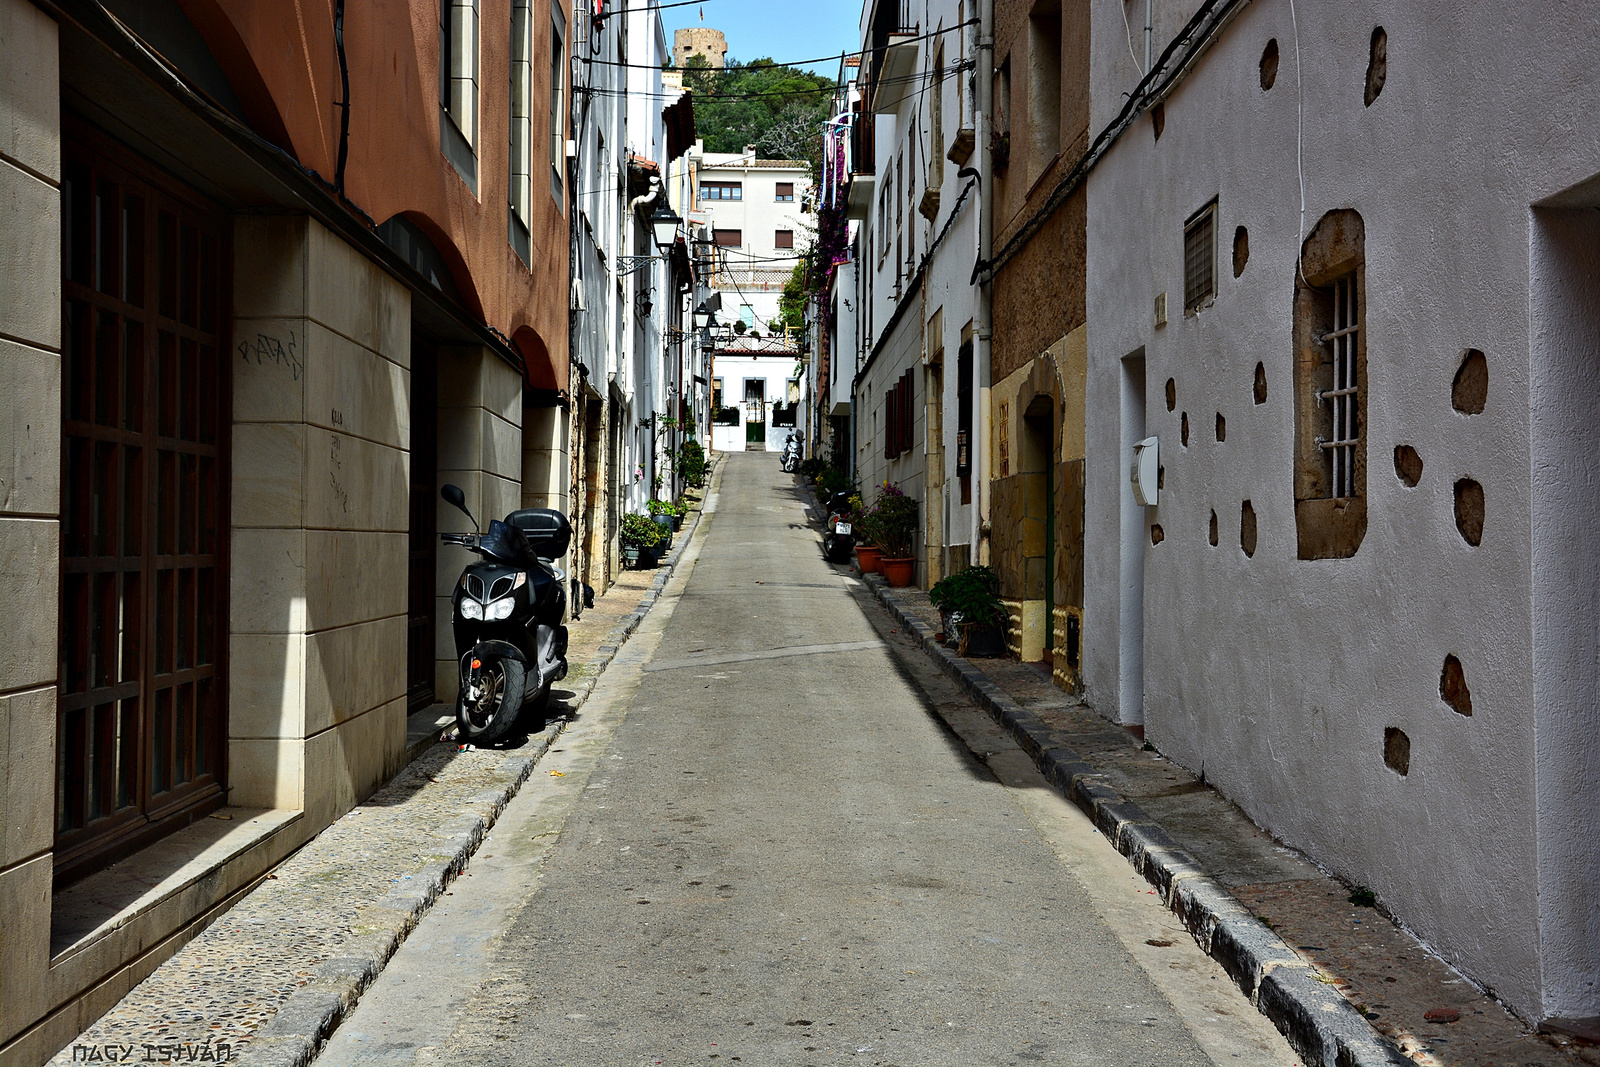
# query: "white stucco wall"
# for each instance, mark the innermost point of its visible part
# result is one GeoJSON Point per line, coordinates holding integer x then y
{"type": "Point", "coordinates": [1276, 676]}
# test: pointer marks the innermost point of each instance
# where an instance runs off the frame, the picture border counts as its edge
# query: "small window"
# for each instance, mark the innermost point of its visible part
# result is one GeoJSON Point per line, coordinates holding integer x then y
{"type": "Point", "coordinates": [1330, 388]}
{"type": "Point", "coordinates": [785, 193]}
{"type": "Point", "coordinates": [558, 80]}
{"type": "Point", "coordinates": [1199, 259]}
{"type": "Point", "coordinates": [520, 187]}
{"type": "Point", "coordinates": [783, 239]}
{"type": "Point", "coordinates": [721, 190]}
{"type": "Point", "coordinates": [1342, 342]}
{"type": "Point", "coordinates": [458, 85]}
{"type": "Point", "coordinates": [728, 238]}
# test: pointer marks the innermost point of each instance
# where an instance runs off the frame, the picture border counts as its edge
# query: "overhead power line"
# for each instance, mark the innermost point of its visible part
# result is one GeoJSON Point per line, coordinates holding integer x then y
{"type": "Point", "coordinates": [774, 62]}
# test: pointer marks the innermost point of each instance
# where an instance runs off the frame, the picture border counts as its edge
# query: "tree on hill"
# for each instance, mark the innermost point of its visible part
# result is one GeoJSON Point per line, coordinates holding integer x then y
{"type": "Point", "coordinates": [778, 109]}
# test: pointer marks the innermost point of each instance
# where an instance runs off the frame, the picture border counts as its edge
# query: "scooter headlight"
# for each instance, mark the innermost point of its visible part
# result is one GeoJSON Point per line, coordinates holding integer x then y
{"type": "Point", "coordinates": [500, 609]}
{"type": "Point", "coordinates": [471, 609]}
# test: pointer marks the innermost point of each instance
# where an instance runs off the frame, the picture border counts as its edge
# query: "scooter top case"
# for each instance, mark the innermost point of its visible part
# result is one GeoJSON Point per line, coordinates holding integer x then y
{"type": "Point", "coordinates": [546, 530]}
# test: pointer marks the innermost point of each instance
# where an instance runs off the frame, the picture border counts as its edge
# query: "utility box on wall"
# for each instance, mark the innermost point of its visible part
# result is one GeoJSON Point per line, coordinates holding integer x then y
{"type": "Point", "coordinates": [1146, 471]}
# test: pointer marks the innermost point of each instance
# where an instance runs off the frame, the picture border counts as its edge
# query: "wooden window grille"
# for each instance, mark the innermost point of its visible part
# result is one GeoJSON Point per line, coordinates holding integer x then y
{"type": "Point", "coordinates": [1199, 259]}
{"type": "Point", "coordinates": [141, 725]}
{"type": "Point", "coordinates": [784, 193]}
{"type": "Point", "coordinates": [783, 239]}
{"type": "Point", "coordinates": [728, 238]}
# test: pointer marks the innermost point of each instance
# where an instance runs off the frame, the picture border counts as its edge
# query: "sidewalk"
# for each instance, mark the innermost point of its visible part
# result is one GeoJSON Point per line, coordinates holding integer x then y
{"type": "Point", "coordinates": [270, 978]}
{"type": "Point", "coordinates": [1330, 974]}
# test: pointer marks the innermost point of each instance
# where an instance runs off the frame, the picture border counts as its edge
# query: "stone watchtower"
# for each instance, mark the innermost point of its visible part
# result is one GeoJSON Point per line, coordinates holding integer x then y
{"type": "Point", "coordinates": [699, 40]}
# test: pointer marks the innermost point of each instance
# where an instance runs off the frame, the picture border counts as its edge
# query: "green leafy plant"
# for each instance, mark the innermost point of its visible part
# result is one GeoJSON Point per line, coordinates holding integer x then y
{"type": "Point", "coordinates": [894, 518]}
{"type": "Point", "coordinates": [810, 468]}
{"type": "Point", "coordinates": [640, 531]}
{"type": "Point", "coordinates": [973, 594]}
{"type": "Point", "coordinates": [692, 463]}
{"type": "Point", "coordinates": [661, 507]}
{"type": "Point", "coordinates": [832, 480]}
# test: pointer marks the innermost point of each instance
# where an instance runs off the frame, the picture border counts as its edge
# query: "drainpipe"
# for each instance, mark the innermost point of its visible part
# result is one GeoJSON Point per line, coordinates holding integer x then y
{"type": "Point", "coordinates": [344, 102]}
{"type": "Point", "coordinates": [984, 324]}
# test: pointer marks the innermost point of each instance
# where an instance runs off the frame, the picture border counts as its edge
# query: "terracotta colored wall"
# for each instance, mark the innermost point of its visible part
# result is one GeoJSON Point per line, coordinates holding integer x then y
{"type": "Point", "coordinates": [282, 62]}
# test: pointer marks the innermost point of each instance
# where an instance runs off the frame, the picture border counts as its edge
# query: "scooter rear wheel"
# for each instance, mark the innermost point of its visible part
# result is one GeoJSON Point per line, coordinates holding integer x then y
{"type": "Point", "coordinates": [493, 714]}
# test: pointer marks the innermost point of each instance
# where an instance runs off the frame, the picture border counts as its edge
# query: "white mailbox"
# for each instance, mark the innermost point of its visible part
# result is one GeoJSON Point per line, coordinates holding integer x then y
{"type": "Point", "coordinates": [1146, 470]}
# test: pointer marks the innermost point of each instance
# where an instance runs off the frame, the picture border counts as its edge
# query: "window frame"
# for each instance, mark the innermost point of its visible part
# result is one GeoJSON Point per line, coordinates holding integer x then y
{"type": "Point", "coordinates": [558, 85]}
{"type": "Point", "coordinates": [167, 463]}
{"type": "Point", "coordinates": [1200, 247]}
{"type": "Point", "coordinates": [783, 239]}
{"type": "Point", "coordinates": [717, 234]}
{"type": "Point", "coordinates": [707, 185]}
{"type": "Point", "coordinates": [460, 86]}
{"type": "Point", "coordinates": [778, 196]}
{"type": "Point", "coordinates": [1330, 363]}
{"type": "Point", "coordinates": [519, 188]}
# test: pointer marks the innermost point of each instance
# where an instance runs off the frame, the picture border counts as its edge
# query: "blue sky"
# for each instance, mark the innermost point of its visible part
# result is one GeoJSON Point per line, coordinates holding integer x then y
{"type": "Point", "coordinates": [783, 31]}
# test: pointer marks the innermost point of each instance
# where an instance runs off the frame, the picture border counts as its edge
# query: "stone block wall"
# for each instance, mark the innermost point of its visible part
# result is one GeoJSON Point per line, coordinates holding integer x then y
{"type": "Point", "coordinates": [321, 438]}
{"type": "Point", "coordinates": [30, 491]}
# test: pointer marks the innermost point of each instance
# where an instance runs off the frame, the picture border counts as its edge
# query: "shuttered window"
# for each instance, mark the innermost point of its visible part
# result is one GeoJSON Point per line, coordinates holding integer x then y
{"type": "Point", "coordinates": [1200, 259]}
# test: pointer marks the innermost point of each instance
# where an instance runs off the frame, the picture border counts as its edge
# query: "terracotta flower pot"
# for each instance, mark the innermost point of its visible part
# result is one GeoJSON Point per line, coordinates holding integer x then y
{"type": "Point", "coordinates": [901, 572]}
{"type": "Point", "coordinates": [869, 558]}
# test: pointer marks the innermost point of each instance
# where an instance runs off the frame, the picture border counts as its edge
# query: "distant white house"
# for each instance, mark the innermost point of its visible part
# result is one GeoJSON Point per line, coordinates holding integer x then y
{"type": "Point", "coordinates": [755, 392]}
{"type": "Point", "coordinates": [761, 221]}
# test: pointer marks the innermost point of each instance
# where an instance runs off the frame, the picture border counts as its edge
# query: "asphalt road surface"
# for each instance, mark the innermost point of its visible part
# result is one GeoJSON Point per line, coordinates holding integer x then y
{"type": "Point", "coordinates": [779, 836]}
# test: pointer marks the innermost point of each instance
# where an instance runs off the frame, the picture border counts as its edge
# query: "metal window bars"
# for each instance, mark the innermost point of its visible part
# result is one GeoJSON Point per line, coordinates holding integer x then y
{"type": "Point", "coordinates": [1344, 416]}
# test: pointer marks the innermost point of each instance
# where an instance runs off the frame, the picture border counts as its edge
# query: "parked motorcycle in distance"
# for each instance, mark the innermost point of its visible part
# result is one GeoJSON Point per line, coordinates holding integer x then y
{"type": "Point", "coordinates": [789, 462]}
{"type": "Point", "coordinates": [507, 613]}
{"type": "Point", "coordinates": [838, 537]}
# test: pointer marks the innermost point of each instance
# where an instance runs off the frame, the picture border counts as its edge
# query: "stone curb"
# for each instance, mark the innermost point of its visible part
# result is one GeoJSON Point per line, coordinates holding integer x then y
{"type": "Point", "coordinates": [1319, 1023]}
{"type": "Point", "coordinates": [294, 1036]}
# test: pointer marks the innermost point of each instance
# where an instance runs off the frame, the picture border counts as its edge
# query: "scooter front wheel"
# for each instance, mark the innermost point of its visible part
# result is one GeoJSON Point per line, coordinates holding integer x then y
{"type": "Point", "coordinates": [536, 713]}
{"type": "Point", "coordinates": [495, 702]}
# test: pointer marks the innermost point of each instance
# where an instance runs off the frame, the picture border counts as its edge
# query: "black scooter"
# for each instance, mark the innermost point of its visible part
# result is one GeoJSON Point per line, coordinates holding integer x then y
{"type": "Point", "coordinates": [838, 536]}
{"type": "Point", "coordinates": [507, 618]}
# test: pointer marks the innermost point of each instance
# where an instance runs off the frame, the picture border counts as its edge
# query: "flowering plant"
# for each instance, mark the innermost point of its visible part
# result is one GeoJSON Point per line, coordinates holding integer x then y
{"type": "Point", "coordinates": [894, 522]}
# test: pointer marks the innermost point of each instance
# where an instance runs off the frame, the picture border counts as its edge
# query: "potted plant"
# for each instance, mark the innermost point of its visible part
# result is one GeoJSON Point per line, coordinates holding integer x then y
{"type": "Point", "coordinates": [692, 464]}
{"type": "Point", "coordinates": [969, 602]}
{"type": "Point", "coordinates": [662, 513]}
{"type": "Point", "coordinates": [640, 537]}
{"type": "Point", "coordinates": [895, 526]}
{"type": "Point", "coordinates": [869, 556]}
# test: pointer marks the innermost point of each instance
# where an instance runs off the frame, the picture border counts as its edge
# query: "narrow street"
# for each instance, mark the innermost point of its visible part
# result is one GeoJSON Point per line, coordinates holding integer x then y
{"type": "Point", "coordinates": [775, 837]}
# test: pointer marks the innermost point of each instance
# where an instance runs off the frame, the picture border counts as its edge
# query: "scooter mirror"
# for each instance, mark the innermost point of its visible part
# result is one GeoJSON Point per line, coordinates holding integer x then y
{"type": "Point", "coordinates": [453, 495]}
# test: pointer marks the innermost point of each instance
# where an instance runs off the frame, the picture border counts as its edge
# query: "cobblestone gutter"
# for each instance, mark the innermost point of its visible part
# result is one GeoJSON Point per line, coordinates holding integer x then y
{"type": "Point", "coordinates": [1321, 1025]}
{"type": "Point", "coordinates": [270, 979]}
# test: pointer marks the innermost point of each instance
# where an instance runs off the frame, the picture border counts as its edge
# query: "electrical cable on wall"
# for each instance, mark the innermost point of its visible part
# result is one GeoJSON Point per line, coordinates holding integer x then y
{"type": "Point", "coordinates": [1299, 137]}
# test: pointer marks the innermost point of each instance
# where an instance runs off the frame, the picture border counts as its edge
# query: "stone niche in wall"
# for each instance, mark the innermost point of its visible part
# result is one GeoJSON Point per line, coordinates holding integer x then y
{"type": "Point", "coordinates": [1330, 511]}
